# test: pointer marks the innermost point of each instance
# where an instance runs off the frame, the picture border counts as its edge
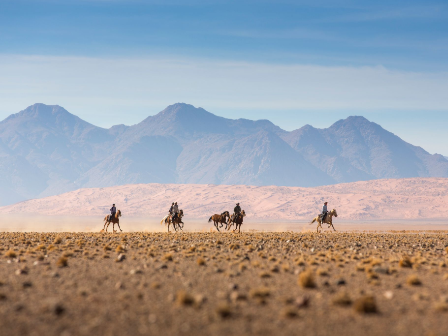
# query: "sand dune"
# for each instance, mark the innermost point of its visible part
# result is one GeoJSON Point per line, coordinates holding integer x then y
{"type": "Point", "coordinates": [414, 198]}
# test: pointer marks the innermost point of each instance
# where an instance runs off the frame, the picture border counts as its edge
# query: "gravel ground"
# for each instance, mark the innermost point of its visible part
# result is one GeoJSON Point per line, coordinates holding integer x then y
{"type": "Point", "coordinates": [224, 284]}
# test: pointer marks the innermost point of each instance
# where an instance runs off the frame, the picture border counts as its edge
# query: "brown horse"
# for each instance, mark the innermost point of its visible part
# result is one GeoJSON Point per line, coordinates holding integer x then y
{"type": "Point", "coordinates": [176, 222]}
{"type": "Point", "coordinates": [219, 219]}
{"type": "Point", "coordinates": [114, 220]}
{"type": "Point", "coordinates": [237, 221]}
{"type": "Point", "coordinates": [328, 220]}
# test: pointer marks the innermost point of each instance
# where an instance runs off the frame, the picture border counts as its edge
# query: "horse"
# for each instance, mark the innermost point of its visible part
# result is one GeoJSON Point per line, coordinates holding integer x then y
{"type": "Point", "coordinates": [176, 222]}
{"type": "Point", "coordinates": [328, 220]}
{"type": "Point", "coordinates": [114, 220]}
{"type": "Point", "coordinates": [219, 219]}
{"type": "Point", "coordinates": [237, 221]}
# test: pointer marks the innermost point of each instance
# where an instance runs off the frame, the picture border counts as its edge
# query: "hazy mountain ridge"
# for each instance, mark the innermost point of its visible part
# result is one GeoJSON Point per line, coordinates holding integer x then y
{"type": "Point", "coordinates": [390, 199]}
{"type": "Point", "coordinates": [47, 150]}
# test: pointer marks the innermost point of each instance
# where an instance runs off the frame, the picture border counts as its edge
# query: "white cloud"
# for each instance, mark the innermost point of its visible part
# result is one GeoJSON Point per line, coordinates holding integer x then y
{"type": "Point", "coordinates": [96, 88]}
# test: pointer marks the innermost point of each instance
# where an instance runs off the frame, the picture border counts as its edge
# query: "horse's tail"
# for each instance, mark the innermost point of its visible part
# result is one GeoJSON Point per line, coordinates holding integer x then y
{"type": "Point", "coordinates": [314, 219]}
{"type": "Point", "coordinates": [163, 219]}
{"type": "Point", "coordinates": [210, 219]}
{"type": "Point", "coordinates": [105, 219]}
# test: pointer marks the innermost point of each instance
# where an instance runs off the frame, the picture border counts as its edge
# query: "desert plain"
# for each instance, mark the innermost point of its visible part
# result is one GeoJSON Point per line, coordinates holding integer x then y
{"type": "Point", "coordinates": [216, 283]}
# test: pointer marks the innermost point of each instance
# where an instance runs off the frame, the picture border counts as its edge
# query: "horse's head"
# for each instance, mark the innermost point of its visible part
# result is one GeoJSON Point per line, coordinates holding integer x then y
{"type": "Point", "coordinates": [334, 212]}
{"type": "Point", "coordinates": [181, 212]}
{"type": "Point", "coordinates": [243, 213]}
{"type": "Point", "coordinates": [119, 213]}
{"type": "Point", "coordinates": [226, 213]}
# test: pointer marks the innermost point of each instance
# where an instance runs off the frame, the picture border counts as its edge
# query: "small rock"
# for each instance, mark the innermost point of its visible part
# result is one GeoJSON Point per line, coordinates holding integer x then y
{"type": "Point", "coordinates": [388, 295]}
{"type": "Point", "coordinates": [121, 257]}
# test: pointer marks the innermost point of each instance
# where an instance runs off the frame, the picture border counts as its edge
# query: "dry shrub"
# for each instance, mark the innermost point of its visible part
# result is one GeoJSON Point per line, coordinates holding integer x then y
{"type": "Point", "coordinates": [200, 262]}
{"type": "Point", "coordinates": [261, 292]}
{"type": "Point", "coordinates": [184, 299]}
{"type": "Point", "coordinates": [10, 254]}
{"type": "Point", "coordinates": [322, 272]}
{"type": "Point", "coordinates": [342, 299]}
{"type": "Point", "coordinates": [300, 262]}
{"type": "Point", "coordinates": [365, 305]}
{"type": "Point", "coordinates": [265, 275]}
{"type": "Point", "coordinates": [306, 279]}
{"type": "Point", "coordinates": [168, 257]}
{"type": "Point", "coordinates": [413, 280]}
{"type": "Point", "coordinates": [405, 261]}
{"type": "Point", "coordinates": [57, 240]}
{"type": "Point", "coordinates": [223, 310]}
{"type": "Point", "coordinates": [234, 246]}
{"type": "Point", "coordinates": [155, 285]}
{"type": "Point", "coordinates": [372, 275]}
{"type": "Point", "coordinates": [62, 262]}
{"type": "Point", "coordinates": [120, 249]}
{"type": "Point", "coordinates": [289, 312]}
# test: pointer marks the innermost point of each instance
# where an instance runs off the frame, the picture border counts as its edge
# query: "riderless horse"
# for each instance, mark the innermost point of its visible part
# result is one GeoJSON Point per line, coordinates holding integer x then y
{"type": "Point", "coordinates": [219, 219]}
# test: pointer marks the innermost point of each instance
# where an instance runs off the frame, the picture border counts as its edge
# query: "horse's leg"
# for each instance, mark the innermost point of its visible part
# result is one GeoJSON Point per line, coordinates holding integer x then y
{"type": "Point", "coordinates": [216, 225]}
{"type": "Point", "coordinates": [118, 223]}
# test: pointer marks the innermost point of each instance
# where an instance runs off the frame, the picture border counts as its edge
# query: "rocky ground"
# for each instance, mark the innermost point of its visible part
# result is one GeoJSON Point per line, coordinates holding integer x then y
{"type": "Point", "coordinates": [223, 284]}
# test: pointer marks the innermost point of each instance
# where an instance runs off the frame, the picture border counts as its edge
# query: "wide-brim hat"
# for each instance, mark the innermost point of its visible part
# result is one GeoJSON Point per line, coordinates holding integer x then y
{"type": "Point", "coordinates": [325, 202]}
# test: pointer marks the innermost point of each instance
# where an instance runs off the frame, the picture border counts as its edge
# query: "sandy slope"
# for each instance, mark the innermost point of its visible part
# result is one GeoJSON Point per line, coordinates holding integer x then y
{"type": "Point", "coordinates": [415, 198]}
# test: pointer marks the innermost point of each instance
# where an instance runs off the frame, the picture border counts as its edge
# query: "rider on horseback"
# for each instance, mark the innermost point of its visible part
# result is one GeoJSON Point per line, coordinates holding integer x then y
{"type": "Point", "coordinates": [175, 210]}
{"type": "Point", "coordinates": [236, 211]}
{"type": "Point", "coordinates": [171, 209]}
{"type": "Point", "coordinates": [324, 211]}
{"type": "Point", "coordinates": [113, 211]}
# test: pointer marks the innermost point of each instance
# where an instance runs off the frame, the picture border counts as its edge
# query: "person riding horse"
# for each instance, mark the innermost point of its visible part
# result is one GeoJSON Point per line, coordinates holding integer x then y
{"type": "Point", "coordinates": [171, 209]}
{"type": "Point", "coordinates": [175, 211]}
{"type": "Point", "coordinates": [324, 211]}
{"type": "Point", "coordinates": [236, 211]}
{"type": "Point", "coordinates": [113, 211]}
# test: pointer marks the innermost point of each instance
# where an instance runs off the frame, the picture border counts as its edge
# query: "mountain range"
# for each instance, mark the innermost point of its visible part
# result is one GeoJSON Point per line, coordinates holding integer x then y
{"type": "Point", "coordinates": [45, 150]}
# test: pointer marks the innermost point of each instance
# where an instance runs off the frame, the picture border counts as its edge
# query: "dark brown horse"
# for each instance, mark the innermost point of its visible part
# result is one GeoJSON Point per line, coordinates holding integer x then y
{"type": "Point", "coordinates": [219, 219]}
{"type": "Point", "coordinates": [237, 220]}
{"type": "Point", "coordinates": [114, 220]}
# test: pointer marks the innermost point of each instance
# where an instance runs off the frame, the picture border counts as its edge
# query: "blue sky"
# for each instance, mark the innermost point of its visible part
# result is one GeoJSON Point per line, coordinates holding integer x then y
{"type": "Point", "coordinates": [293, 62]}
